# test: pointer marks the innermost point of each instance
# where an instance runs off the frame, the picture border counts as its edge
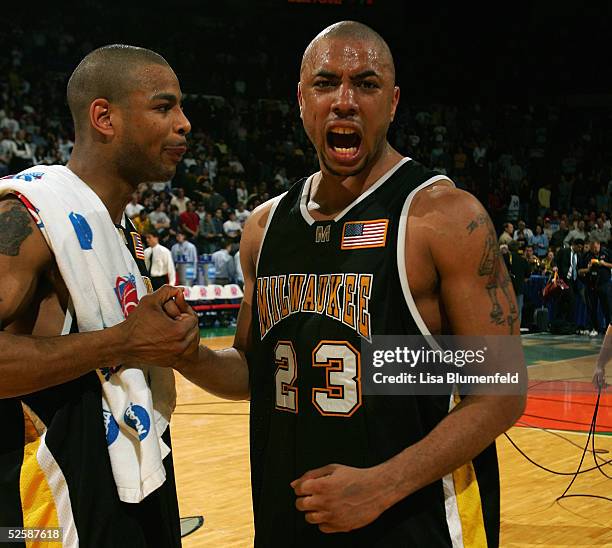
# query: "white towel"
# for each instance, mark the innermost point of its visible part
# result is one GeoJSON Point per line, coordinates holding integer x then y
{"type": "Point", "coordinates": [104, 284]}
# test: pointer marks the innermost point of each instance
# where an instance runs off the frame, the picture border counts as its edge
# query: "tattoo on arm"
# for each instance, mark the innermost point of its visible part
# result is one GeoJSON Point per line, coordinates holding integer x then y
{"type": "Point", "coordinates": [478, 221]}
{"type": "Point", "coordinates": [498, 283]}
{"type": "Point", "coordinates": [14, 229]}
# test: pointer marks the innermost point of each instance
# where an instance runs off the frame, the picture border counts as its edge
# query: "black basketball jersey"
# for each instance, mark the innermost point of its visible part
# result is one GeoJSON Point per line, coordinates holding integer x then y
{"type": "Point", "coordinates": [323, 288]}
{"type": "Point", "coordinates": [67, 478]}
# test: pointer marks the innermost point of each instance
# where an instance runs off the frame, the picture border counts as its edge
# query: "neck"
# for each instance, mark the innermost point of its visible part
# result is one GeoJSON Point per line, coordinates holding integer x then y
{"type": "Point", "coordinates": [330, 193]}
{"type": "Point", "coordinates": [97, 172]}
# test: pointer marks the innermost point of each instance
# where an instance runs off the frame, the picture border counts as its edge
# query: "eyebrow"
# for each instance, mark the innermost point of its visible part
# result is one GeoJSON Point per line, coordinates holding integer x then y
{"type": "Point", "coordinates": [360, 76]}
{"type": "Point", "coordinates": [166, 97]}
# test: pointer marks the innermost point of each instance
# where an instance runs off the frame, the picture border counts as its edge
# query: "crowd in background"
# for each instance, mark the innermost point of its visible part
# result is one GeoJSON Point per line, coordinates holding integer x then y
{"type": "Point", "coordinates": [542, 171]}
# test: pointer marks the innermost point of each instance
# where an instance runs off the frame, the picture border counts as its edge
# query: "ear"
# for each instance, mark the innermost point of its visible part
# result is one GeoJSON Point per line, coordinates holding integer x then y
{"type": "Point", "coordinates": [395, 101]}
{"type": "Point", "coordinates": [100, 117]}
{"type": "Point", "coordinates": [300, 99]}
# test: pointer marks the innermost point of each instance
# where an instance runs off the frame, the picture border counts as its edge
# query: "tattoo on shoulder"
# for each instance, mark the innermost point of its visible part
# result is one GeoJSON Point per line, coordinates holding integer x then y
{"type": "Point", "coordinates": [498, 282]}
{"type": "Point", "coordinates": [482, 219]}
{"type": "Point", "coordinates": [15, 227]}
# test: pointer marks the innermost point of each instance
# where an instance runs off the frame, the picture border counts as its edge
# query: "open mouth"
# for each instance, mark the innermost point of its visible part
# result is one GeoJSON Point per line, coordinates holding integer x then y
{"type": "Point", "coordinates": [344, 141]}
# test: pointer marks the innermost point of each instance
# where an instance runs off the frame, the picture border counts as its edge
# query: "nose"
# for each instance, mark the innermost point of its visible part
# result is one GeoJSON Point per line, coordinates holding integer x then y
{"type": "Point", "coordinates": [183, 124]}
{"type": "Point", "coordinates": [344, 104]}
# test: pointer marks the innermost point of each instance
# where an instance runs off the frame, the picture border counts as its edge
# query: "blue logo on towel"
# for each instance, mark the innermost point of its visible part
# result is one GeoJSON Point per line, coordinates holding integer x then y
{"type": "Point", "coordinates": [28, 177]}
{"type": "Point", "coordinates": [111, 426]}
{"type": "Point", "coordinates": [82, 229]}
{"type": "Point", "coordinates": [136, 417]}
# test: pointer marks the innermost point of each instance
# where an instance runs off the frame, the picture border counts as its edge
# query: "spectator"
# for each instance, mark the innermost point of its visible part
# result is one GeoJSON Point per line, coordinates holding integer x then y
{"type": "Point", "coordinates": [159, 219]}
{"type": "Point", "coordinates": [190, 221]}
{"type": "Point", "coordinates": [201, 211]}
{"type": "Point", "coordinates": [519, 271]}
{"type": "Point", "coordinates": [142, 223]}
{"type": "Point", "coordinates": [166, 239]}
{"type": "Point", "coordinates": [218, 221]}
{"type": "Point", "coordinates": [215, 200]}
{"type": "Point", "coordinates": [23, 155]}
{"type": "Point", "coordinates": [548, 231]}
{"type": "Point", "coordinates": [558, 237]}
{"type": "Point", "coordinates": [506, 236]}
{"type": "Point", "coordinates": [230, 193]}
{"type": "Point", "coordinates": [133, 208]}
{"type": "Point", "coordinates": [555, 221]}
{"type": "Point", "coordinates": [598, 286]}
{"type": "Point", "coordinates": [10, 123]}
{"type": "Point", "coordinates": [224, 264]}
{"type": "Point", "coordinates": [522, 235]}
{"type": "Point", "coordinates": [209, 238]}
{"type": "Point", "coordinates": [544, 198]}
{"type": "Point", "coordinates": [576, 234]}
{"type": "Point", "coordinates": [180, 200]}
{"type": "Point", "coordinates": [242, 214]}
{"type": "Point", "coordinates": [532, 260]}
{"type": "Point", "coordinates": [567, 263]}
{"type": "Point", "coordinates": [185, 257]}
{"type": "Point", "coordinates": [7, 148]}
{"type": "Point", "coordinates": [241, 192]}
{"type": "Point", "coordinates": [232, 228]}
{"type": "Point", "coordinates": [539, 241]}
{"type": "Point", "coordinates": [601, 232]}
{"type": "Point", "coordinates": [159, 262]}
{"type": "Point", "coordinates": [547, 263]}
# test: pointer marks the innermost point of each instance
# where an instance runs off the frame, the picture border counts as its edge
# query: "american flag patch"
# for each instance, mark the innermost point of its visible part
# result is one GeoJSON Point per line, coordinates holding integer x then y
{"type": "Point", "coordinates": [138, 248]}
{"type": "Point", "coordinates": [364, 234]}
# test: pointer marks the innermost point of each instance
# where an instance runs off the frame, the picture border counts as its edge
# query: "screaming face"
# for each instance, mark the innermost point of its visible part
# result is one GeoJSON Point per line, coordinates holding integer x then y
{"type": "Point", "coordinates": [347, 100]}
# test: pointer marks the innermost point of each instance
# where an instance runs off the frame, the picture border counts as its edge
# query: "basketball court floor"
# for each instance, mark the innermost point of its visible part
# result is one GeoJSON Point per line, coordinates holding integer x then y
{"type": "Point", "coordinates": [210, 440]}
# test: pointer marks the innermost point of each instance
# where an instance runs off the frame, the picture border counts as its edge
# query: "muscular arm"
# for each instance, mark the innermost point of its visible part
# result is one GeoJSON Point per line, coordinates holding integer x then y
{"type": "Point", "coordinates": [477, 298]}
{"type": "Point", "coordinates": [29, 363]}
{"type": "Point", "coordinates": [225, 373]}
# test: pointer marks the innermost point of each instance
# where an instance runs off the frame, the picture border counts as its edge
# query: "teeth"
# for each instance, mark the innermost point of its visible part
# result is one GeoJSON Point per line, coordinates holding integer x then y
{"type": "Point", "coordinates": [341, 150]}
{"type": "Point", "coordinates": [343, 130]}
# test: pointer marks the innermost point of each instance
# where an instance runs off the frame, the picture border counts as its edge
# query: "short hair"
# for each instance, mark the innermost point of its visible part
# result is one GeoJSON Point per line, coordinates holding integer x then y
{"type": "Point", "coordinates": [106, 72]}
{"type": "Point", "coordinates": [151, 233]}
{"type": "Point", "coordinates": [355, 31]}
{"type": "Point", "coordinates": [593, 238]}
{"type": "Point", "coordinates": [513, 245]}
{"type": "Point", "coordinates": [578, 241]}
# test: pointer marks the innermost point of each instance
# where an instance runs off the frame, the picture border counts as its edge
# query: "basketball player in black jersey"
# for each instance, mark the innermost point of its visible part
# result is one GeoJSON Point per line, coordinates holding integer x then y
{"type": "Point", "coordinates": [372, 244]}
{"type": "Point", "coordinates": [129, 128]}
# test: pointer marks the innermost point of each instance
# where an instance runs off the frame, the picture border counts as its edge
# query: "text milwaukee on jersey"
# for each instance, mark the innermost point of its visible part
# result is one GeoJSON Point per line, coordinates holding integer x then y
{"type": "Point", "coordinates": [343, 297]}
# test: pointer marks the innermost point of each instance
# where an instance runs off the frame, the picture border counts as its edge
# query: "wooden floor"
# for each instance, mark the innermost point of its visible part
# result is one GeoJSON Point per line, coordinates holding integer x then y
{"type": "Point", "coordinates": [210, 439]}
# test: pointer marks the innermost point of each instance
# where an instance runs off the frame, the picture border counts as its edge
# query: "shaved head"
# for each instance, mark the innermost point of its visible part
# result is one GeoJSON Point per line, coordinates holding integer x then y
{"type": "Point", "coordinates": [108, 72]}
{"type": "Point", "coordinates": [351, 30]}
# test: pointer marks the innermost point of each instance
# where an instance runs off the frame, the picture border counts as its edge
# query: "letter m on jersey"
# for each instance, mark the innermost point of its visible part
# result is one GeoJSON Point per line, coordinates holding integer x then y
{"type": "Point", "coordinates": [322, 234]}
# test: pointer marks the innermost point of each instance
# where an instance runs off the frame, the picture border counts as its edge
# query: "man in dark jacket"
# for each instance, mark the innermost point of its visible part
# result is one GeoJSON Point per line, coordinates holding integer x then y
{"type": "Point", "coordinates": [519, 270]}
{"type": "Point", "coordinates": [568, 262]}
